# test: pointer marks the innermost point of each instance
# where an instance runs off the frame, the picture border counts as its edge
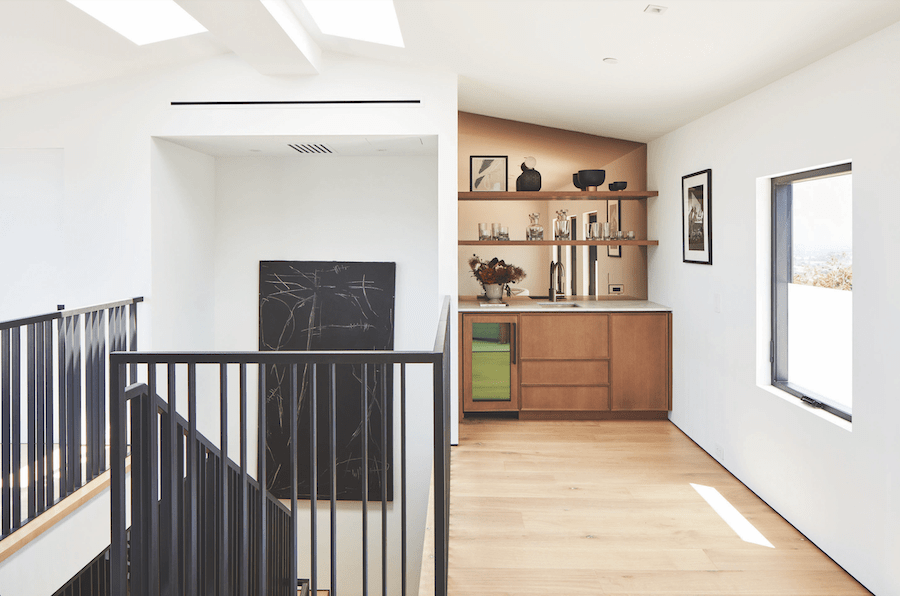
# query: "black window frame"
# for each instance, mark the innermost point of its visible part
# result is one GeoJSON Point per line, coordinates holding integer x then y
{"type": "Point", "coordinates": [782, 268]}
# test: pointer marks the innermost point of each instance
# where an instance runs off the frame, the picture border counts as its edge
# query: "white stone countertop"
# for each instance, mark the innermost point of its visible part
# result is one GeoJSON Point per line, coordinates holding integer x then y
{"type": "Point", "coordinates": [570, 304]}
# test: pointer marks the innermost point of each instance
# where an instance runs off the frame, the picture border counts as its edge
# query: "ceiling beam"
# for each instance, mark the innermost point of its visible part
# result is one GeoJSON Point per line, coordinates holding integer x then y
{"type": "Point", "coordinates": [264, 33]}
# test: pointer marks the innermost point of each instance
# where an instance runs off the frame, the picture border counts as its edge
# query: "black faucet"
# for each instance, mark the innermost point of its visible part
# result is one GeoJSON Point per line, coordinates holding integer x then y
{"type": "Point", "coordinates": [556, 284]}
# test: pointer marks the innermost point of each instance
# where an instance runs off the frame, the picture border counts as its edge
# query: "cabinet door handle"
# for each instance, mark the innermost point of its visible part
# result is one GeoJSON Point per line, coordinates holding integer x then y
{"type": "Point", "coordinates": [512, 343]}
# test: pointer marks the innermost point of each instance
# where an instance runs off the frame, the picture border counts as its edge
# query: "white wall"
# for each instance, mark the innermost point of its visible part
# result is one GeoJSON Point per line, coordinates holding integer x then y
{"type": "Point", "coordinates": [182, 223]}
{"type": "Point", "coordinates": [32, 196]}
{"type": "Point", "coordinates": [839, 487]}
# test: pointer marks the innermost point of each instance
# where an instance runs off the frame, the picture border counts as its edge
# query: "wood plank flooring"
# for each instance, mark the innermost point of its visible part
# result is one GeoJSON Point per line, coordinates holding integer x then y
{"type": "Point", "coordinates": [607, 507]}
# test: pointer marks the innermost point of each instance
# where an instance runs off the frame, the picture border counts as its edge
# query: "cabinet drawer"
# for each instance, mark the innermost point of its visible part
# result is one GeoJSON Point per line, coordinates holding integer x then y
{"type": "Point", "coordinates": [565, 398]}
{"type": "Point", "coordinates": [564, 336]}
{"type": "Point", "coordinates": [564, 372]}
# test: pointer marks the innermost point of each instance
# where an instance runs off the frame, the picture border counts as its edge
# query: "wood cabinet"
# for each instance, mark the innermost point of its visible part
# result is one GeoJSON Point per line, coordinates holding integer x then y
{"type": "Point", "coordinates": [567, 365]}
{"type": "Point", "coordinates": [641, 346]}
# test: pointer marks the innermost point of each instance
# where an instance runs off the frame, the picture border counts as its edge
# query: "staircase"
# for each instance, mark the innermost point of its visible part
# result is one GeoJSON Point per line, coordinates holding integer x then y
{"type": "Point", "coordinates": [188, 510]}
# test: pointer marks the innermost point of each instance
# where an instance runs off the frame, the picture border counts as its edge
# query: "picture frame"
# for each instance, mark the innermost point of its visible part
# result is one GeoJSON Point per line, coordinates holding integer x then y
{"type": "Point", "coordinates": [614, 217]}
{"type": "Point", "coordinates": [488, 173]}
{"type": "Point", "coordinates": [696, 217]}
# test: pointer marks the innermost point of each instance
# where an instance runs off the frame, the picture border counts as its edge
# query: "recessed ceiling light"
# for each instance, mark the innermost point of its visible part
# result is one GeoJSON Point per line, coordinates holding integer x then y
{"type": "Point", "coordinates": [611, 60]}
{"type": "Point", "coordinates": [653, 9]}
{"type": "Point", "coordinates": [142, 21]}
{"type": "Point", "coordinates": [365, 20]}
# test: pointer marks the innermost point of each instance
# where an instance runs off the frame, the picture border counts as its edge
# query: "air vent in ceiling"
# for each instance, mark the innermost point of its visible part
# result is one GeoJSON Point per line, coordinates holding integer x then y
{"type": "Point", "coordinates": [311, 148]}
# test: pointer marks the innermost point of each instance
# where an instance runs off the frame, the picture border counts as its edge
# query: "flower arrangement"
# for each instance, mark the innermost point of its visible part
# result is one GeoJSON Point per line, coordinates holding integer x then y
{"type": "Point", "coordinates": [495, 271]}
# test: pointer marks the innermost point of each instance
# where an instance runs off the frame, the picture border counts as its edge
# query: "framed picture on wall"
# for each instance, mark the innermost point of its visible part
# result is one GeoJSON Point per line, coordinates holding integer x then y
{"type": "Point", "coordinates": [488, 172]}
{"type": "Point", "coordinates": [614, 217]}
{"type": "Point", "coordinates": [696, 217]}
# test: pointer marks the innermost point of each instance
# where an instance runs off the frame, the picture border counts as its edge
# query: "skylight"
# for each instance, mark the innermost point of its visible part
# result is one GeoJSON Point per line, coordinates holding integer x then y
{"type": "Point", "coordinates": [142, 21]}
{"type": "Point", "coordinates": [365, 20]}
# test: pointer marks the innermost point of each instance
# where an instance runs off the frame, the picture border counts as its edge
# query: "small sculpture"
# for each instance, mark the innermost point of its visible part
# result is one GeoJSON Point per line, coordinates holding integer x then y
{"type": "Point", "coordinates": [529, 179]}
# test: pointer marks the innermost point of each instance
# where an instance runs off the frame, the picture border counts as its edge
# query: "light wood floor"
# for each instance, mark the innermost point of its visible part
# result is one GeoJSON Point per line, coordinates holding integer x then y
{"type": "Point", "coordinates": [607, 507]}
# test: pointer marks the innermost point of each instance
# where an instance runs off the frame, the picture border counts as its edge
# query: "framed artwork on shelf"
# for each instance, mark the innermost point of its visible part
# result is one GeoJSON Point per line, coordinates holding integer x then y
{"type": "Point", "coordinates": [696, 217]}
{"type": "Point", "coordinates": [488, 172]}
{"type": "Point", "coordinates": [614, 217]}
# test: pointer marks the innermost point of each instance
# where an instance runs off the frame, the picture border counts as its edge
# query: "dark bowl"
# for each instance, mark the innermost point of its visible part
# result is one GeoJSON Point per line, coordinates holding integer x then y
{"type": "Point", "coordinates": [617, 185]}
{"type": "Point", "coordinates": [590, 178]}
{"type": "Point", "coordinates": [576, 183]}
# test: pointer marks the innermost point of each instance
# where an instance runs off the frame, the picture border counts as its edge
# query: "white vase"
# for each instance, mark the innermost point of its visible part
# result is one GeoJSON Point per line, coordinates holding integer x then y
{"type": "Point", "coordinates": [494, 292]}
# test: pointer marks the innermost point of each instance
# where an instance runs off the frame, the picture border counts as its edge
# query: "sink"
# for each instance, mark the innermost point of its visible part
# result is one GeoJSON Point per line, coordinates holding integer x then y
{"type": "Point", "coordinates": [557, 304]}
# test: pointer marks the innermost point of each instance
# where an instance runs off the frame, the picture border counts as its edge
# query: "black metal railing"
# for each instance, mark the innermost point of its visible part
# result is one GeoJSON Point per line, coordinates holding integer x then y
{"type": "Point", "coordinates": [198, 528]}
{"type": "Point", "coordinates": [53, 404]}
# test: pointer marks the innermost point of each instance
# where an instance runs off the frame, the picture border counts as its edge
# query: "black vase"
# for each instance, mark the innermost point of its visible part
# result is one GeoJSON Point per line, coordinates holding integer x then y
{"type": "Point", "coordinates": [529, 179]}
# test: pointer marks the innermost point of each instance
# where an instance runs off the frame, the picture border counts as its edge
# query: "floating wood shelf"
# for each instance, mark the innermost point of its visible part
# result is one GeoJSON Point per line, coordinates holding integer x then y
{"type": "Point", "coordinates": [558, 195]}
{"type": "Point", "coordinates": [559, 242]}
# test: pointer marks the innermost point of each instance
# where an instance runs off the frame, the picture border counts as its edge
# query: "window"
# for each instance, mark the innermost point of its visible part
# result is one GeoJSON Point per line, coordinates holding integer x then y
{"type": "Point", "coordinates": [812, 281]}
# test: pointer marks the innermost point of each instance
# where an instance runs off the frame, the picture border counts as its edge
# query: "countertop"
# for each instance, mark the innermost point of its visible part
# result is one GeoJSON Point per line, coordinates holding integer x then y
{"type": "Point", "coordinates": [579, 304]}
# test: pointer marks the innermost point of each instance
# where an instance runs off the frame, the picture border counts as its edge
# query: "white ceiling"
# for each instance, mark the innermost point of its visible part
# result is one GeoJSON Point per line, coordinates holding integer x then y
{"type": "Point", "coordinates": [536, 61]}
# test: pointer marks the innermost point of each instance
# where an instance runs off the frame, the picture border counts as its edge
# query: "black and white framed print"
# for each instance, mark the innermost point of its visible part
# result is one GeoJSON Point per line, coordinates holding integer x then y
{"type": "Point", "coordinates": [696, 217]}
{"type": "Point", "coordinates": [614, 217]}
{"type": "Point", "coordinates": [488, 172]}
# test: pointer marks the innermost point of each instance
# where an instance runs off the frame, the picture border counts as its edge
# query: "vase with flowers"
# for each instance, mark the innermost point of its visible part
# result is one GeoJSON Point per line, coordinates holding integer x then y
{"type": "Point", "coordinates": [495, 276]}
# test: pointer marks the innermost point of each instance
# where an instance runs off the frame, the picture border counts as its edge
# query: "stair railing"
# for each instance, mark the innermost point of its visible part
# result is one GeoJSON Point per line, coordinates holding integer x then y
{"type": "Point", "coordinates": [197, 526]}
{"type": "Point", "coordinates": [53, 404]}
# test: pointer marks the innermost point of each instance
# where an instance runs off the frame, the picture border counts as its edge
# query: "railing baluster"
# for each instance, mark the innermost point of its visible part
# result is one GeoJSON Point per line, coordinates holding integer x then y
{"type": "Point", "coordinates": [89, 395]}
{"type": "Point", "coordinates": [192, 473]}
{"type": "Point", "coordinates": [295, 398]}
{"type": "Point", "coordinates": [40, 418]}
{"type": "Point", "coordinates": [384, 470]}
{"type": "Point", "coordinates": [403, 533]}
{"type": "Point", "coordinates": [16, 414]}
{"type": "Point", "coordinates": [73, 397]}
{"type": "Point", "coordinates": [364, 475]}
{"type": "Point", "coordinates": [244, 557]}
{"type": "Point", "coordinates": [132, 344]}
{"type": "Point", "coordinates": [118, 555]}
{"type": "Point", "coordinates": [169, 488]}
{"type": "Point", "coordinates": [62, 407]}
{"type": "Point", "coordinates": [49, 419]}
{"type": "Point", "coordinates": [152, 482]}
{"type": "Point", "coordinates": [261, 478]}
{"type": "Point", "coordinates": [32, 452]}
{"type": "Point", "coordinates": [313, 397]}
{"type": "Point", "coordinates": [332, 451]}
{"type": "Point", "coordinates": [224, 503]}
{"type": "Point", "coordinates": [101, 396]}
{"type": "Point", "coordinates": [5, 433]}
{"type": "Point", "coordinates": [139, 448]}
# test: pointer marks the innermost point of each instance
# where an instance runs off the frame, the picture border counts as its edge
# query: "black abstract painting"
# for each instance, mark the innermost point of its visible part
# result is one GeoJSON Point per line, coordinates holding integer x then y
{"type": "Point", "coordinates": [321, 305]}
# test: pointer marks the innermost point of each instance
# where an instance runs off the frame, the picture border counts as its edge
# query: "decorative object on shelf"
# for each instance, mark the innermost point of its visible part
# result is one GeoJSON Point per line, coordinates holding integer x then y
{"type": "Point", "coordinates": [529, 179]}
{"type": "Point", "coordinates": [696, 217]}
{"type": "Point", "coordinates": [614, 218]}
{"type": "Point", "coordinates": [495, 231]}
{"type": "Point", "coordinates": [483, 233]}
{"type": "Point", "coordinates": [495, 273]}
{"type": "Point", "coordinates": [630, 235]}
{"type": "Point", "coordinates": [605, 235]}
{"type": "Point", "coordinates": [494, 293]}
{"type": "Point", "coordinates": [617, 185]}
{"type": "Point", "coordinates": [561, 230]}
{"type": "Point", "coordinates": [589, 179]}
{"type": "Point", "coordinates": [503, 235]}
{"type": "Point", "coordinates": [535, 231]}
{"type": "Point", "coordinates": [592, 231]}
{"type": "Point", "coordinates": [488, 172]}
